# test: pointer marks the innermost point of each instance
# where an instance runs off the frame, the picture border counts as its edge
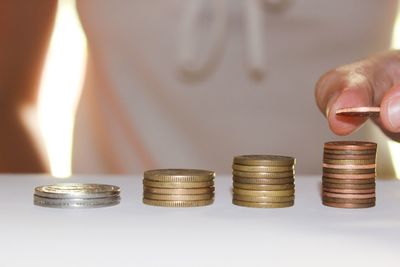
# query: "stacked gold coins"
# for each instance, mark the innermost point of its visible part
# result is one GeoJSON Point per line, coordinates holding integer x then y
{"type": "Point", "coordinates": [349, 171]}
{"type": "Point", "coordinates": [263, 181]}
{"type": "Point", "coordinates": [178, 187]}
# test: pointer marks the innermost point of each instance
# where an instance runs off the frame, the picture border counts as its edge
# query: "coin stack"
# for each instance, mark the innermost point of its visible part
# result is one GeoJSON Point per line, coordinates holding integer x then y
{"type": "Point", "coordinates": [178, 187]}
{"type": "Point", "coordinates": [349, 172]}
{"type": "Point", "coordinates": [74, 195]}
{"type": "Point", "coordinates": [263, 181]}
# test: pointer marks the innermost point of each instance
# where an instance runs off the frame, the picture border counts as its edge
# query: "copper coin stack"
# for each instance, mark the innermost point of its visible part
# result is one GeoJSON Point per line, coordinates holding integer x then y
{"type": "Point", "coordinates": [263, 181]}
{"type": "Point", "coordinates": [349, 172]}
{"type": "Point", "coordinates": [178, 187]}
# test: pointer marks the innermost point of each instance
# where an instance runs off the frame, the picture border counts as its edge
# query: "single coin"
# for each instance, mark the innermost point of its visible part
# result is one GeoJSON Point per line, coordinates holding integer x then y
{"type": "Point", "coordinates": [350, 176]}
{"type": "Point", "coordinates": [351, 196]}
{"type": "Point", "coordinates": [177, 191]}
{"type": "Point", "coordinates": [350, 157]}
{"type": "Point", "coordinates": [263, 181]}
{"type": "Point", "coordinates": [75, 203]}
{"type": "Point", "coordinates": [349, 167]}
{"type": "Point", "coordinates": [246, 168]}
{"type": "Point", "coordinates": [175, 185]}
{"type": "Point", "coordinates": [178, 197]}
{"type": "Point", "coordinates": [349, 171]}
{"type": "Point", "coordinates": [350, 145]}
{"type": "Point", "coordinates": [269, 205]}
{"type": "Point", "coordinates": [348, 191]}
{"type": "Point", "coordinates": [263, 175]}
{"type": "Point", "coordinates": [368, 152]}
{"type": "Point", "coordinates": [179, 175]}
{"type": "Point", "coordinates": [349, 200]}
{"type": "Point", "coordinates": [264, 160]}
{"type": "Point", "coordinates": [262, 199]}
{"type": "Point", "coordinates": [178, 204]}
{"type": "Point", "coordinates": [261, 187]}
{"type": "Point", "coordinates": [349, 161]}
{"type": "Point", "coordinates": [359, 112]}
{"type": "Point", "coordinates": [77, 190]}
{"type": "Point", "coordinates": [347, 181]}
{"type": "Point", "coordinates": [349, 205]}
{"type": "Point", "coordinates": [349, 186]}
{"type": "Point", "coordinates": [258, 193]}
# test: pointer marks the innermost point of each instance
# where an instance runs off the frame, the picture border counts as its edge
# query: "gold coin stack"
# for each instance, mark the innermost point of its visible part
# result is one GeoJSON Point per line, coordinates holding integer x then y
{"type": "Point", "coordinates": [263, 181]}
{"type": "Point", "coordinates": [349, 172]}
{"type": "Point", "coordinates": [178, 187]}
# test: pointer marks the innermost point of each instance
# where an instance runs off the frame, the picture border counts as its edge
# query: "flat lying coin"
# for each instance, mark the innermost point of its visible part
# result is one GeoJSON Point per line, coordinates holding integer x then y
{"type": "Point", "coordinates": [264, 160]}
{"type": "Point", "coordinates": [350, 145]}
{"type": "Point", "coordinates": [349, 186]}
{"type": "Point", "coordinates": [350, 156]}
{"type": "Point", "coordinates": [263, 199]}
{"type": "Point", "coordinates": [179, 175]}
{"type": "Point", "coordinates": [178, 204]}
{"type": "Point", "coordinates": [349, 171]}
{"type": "Point", "coordinates": [263, 175]}
{"type": "Point", "coordinates": [349, 205]}
{"type": "Point", "coordinates": [347, 181]}
{"type": "Point", "coordinates": [349, 161]}
{"type": "Point", "coordinates": [269, 169]}
{"type": "Point", "coordinates": [262, 187]}
{"type": "Point", "coordinates": [262, 205]}
{"type": "Point", "coordinates": [258, 193]}
{"type": "Point", "coordinates": [359, 112]}
{"type": "Point", "coordinates": [370, 152]}
{"type": "Point", "coordinates": [349, 200]}
{"type": "Point", "coordinates": [350, 176]}
{"type": "Point", "coordinates": [177, 191]}
{"type": "Point", "coordinates": [263, 181]}
{"type": "Point", "coordinates": [349, 191]}
{"type": "Point", "coordinates": [175, 185]}
{"type": "Point", "coordinates": [178, 197]}
{"type": "Point", "coordinates": [77, 190]}
{"type": "Point", "coordinates": [76, 203]}
{"type": "Point", "coordinates": [351, 196]}
{"type": "Point", "coordinates": [349, 167]}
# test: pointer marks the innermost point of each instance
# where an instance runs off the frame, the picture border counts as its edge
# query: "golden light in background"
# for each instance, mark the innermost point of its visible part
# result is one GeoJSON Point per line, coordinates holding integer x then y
{"type": "Point", "coordinates": [60, 87]}
{"type": "Point", "coordinates": [394, 147]}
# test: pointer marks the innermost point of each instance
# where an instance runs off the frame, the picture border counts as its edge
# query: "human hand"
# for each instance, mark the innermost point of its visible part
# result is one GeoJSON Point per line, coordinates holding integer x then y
{"type": "Point", "coordinates": [374, 81]}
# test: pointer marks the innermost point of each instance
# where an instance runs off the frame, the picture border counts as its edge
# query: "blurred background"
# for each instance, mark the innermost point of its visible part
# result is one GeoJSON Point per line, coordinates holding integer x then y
{"type": "Point", "coordinates": [50, 118]}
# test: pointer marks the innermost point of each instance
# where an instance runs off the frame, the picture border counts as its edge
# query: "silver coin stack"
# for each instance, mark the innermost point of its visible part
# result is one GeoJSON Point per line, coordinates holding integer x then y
{"type": "Point", "coordinates": [75, 195]}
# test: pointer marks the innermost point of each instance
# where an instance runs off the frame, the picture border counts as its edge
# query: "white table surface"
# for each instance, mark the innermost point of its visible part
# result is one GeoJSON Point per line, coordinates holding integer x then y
{"type": "Point", "coordinates": [133, 234]}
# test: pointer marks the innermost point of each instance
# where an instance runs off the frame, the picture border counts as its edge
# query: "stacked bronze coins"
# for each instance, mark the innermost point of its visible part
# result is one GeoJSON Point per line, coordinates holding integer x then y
{"type": "Point", "coordinates": [263, 181]}
{"type": "Point", "coordinates": [178, 187]}
{"type": "Point", "coordinates": [349, 172]}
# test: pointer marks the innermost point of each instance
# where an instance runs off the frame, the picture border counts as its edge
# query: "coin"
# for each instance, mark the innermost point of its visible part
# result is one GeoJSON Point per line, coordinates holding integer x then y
{"type": "Point", "coordinates": [77, 190]}
{"type": "Point", "coordinates": [178, 204]}
{"type": "Point", "coordinates": [263, 175]}
{"type": "Point", "coordinates": [349, 205]}
{"type": "Point", "coordinates": [175, 185]}
{"type": "Point", "coordinates": [349, 191]}
{"type": "Point", "coordinates": [349, 200]}
{"type": "Point", "coordinates": [262, 199]}
{"type": "Point", "coordinates": [184, 191]}
{"type": "Point", "coordinates": [351, 196]}
{"type": "Point", "coordinates": [350, 145]}
{"type": "Point", "coordinates": [350, 176]}
{"type": "Point", "coordinates": [359, 112]}
{"type": "Point", "coordinates": [179, 175]}
{"type": "Point", "coordinates": [349, 171]}
{"type": "Point", "coordinates": [263, 205]}
{"type": "Point", "coordinates": [76, 203]}
{"type": "Point", "coordinates": [370, 152]}
{"type": "Point", "coordinates": [349, 186]}
{"type": "Point", "coordinates": [349, 162]}
{"type": "Point", "coordinates": [349, 167]}
{"type": "Point", "coordinates": [273, 169]}
{"type": "Point", "coordinates": [347, 181]}
{"type": "Point", "coordinates": [264, 160]}
{"type": "Point", "coordinates": [350, 156]}
{"type": "Point", "coordinates": [178, 197]}
{"type": "Point", "coordinates": [262, 187]}
{"type": "Point", "coordinates": [263, 181]}
{"type": "Point", "coordinates": [258, 193]}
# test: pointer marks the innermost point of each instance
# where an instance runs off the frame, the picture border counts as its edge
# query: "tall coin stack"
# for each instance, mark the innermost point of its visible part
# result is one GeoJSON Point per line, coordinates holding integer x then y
{"type": "Point", "coordinates": [75, 195]}
{"type": "Point", "coordinates": [178, 187]}
{"type": "Point", "coordinates": [349, 172]}
{"type": "Point", "coordinates": [263, 181]}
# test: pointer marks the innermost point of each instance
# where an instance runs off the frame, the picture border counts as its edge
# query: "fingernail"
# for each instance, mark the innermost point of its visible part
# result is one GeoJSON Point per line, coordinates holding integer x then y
{"type": "Point", "coordinates": [394, 112]}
